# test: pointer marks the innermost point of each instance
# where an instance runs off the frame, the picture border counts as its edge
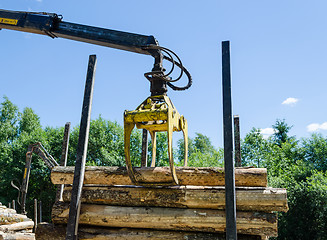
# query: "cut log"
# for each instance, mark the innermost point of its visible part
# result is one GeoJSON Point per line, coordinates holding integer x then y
{"type": "Point", "coordinates": [202, 220]}
{"type": "Point", "coordinates": [58, 232]}
{"type": "Point", "coordinates": [4, 209]}
{"type": "Point", "coordinates": [247, 198]}
{"type": "Point", "coordinates": [8, 210]}
{"type": "Point", "coordinates": [17, 226]}
{"type": "Point", "coordinates": [9, 218]}
{"type": "Point", "coordinates": [212, 176]}
{"type": "Point", "coordinates": [17, 236]}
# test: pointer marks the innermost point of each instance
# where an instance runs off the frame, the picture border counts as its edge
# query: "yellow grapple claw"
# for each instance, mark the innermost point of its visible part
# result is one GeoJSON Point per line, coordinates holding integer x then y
{"type": "Point", "coordinates": [155, 114]}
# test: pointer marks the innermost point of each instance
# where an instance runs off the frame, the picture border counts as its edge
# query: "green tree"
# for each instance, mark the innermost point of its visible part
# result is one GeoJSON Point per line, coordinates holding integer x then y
{"type": "Point", "coordinates": [281, 132]}
{"type": "Point", "coordinates": [162, 158]}
{"type": "Point", "coordinates": [20, 130]}
{"type": "Point", "coordinates": [201, 152]}
{"type": "Point", "coordinates": [255, 149]}
{"type": "Point", "coordinates": [307, 199]}
{"type": "Point", "coordinates": [299, 167]}
{"type": "Point", "coordinates": [315, 151]}
{"type": "Point", "coordinates": [9, 117]}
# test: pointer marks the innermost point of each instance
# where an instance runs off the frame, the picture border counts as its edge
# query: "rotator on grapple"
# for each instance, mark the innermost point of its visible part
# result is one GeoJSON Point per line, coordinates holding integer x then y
{"type": "Point", "coordinates": [158, 114]}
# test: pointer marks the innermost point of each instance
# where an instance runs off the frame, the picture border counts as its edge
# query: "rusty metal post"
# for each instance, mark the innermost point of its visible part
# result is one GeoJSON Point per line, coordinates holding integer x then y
{"type": "Point", "coordinates": [237, 141]}
{"type": "Point", "coordinates": [75, 202]}
{"type": "Point", "coordinates": [63, 159]}
{"type": "Point", "coordinates": [35, 215]}
{"type": "Point", "coordinates": [144, 158]}
{"type": "Point", "coordinates": [231, 233]}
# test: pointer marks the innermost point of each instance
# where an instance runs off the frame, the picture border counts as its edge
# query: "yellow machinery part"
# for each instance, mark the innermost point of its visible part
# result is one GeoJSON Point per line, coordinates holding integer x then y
{"type": "Point", "coordinates": [155, 114]}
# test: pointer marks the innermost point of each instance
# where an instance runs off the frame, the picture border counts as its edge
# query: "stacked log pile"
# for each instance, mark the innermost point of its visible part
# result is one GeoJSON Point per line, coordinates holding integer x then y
{"type": "Point", "coordinates": [196, 208]}
{"type": "Point", "coordinates": [15, 226]}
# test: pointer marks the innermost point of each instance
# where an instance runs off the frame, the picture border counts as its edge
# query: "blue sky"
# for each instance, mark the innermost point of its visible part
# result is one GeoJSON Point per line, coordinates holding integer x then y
{"type": "Point", "coordinates": [278, 57]}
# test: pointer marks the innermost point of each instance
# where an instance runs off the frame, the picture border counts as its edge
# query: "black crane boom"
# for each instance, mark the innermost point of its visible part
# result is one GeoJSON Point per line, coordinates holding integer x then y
{"type": "Point", "coordinates": [51, 24]}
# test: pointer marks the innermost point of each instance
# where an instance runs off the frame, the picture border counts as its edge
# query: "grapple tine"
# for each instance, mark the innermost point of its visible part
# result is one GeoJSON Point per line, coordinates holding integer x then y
{"type": "Point", "coordinates": [128, 127]}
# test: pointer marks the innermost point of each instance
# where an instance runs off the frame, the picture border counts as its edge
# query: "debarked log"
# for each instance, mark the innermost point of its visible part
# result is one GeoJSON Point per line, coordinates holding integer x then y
{"type": "Point", "coordinates": [17, 226]}
{"type": "Point", "coordinates": [58, 232]}
{"type": "Point", "coordinates": [10, 218]}
{"type": "Point", "coordinates": [17, 236]}
{"type": "Point", "coordinates": [247, 198]}
{"type": "Point", "coordinates": [201, 176]}
{"type": "Point", "coordinates": [202, 220]}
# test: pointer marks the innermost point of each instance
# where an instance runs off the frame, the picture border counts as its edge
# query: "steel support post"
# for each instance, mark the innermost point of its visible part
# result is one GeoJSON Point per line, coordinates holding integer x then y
{"type": "Point", "coordinates": [40, 212]}
{"type": "Point", "coordinates": [35, 215]}
{"type": "Point", "coordinates": [144, 158]}
{"type": "Point", "coordinates": [75, 203]}
{"type": "Point", "coordinates": [237, 141]}
{"type": "Point", "coordinates": [13, 204]}
{"type": "Point", "coordinates": [63, 159]}
{"type": "Point", "coordinates": [231, 233]}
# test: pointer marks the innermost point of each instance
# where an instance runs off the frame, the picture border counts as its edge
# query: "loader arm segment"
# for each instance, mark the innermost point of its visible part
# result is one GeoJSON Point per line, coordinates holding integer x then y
{"type": "Point", "coordinates": [52, 25]}
{"type": "Point", "coordinates": [46, 157]}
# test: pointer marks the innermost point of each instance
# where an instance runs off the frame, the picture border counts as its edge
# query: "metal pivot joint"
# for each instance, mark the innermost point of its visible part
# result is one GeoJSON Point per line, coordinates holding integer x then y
{"type": "Point", "coordinates": [155, 114]}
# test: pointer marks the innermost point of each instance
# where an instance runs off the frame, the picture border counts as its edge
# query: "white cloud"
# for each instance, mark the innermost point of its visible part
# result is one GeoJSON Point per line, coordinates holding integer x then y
{"type": "Point", "coordinates": [267, 132]}
{"type": "Point", "coordinates": [290, 101]}
{"type": "Point", "coordinates": [314, 127]}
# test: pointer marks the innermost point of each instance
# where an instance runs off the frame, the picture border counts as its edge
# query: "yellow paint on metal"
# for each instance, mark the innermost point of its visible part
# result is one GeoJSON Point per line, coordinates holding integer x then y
{"type": "Point", "coordinates": [155, 114]}
{"type": "Point", "coordinates": [25, 172]}
{"type": "Point", "coordinates": [8, 21]}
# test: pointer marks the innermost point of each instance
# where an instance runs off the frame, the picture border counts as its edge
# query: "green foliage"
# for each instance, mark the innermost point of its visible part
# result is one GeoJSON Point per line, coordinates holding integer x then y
{"type": "Point", "coordinates": [281, 132]}
{"type": "Point", "coordinates": [307, 215]}
{"type": "Point", "coordinates": [8, 121]}
{"type": "Point", "coordinates": [162, 158]}
{"type": "Point", "coordinates": [300, 167]}
{"type": "Point", "coordinates": [17, 131]}
{"type": "Point", "coordinates": [315, 151]}
{"type": "Point", "coordinates": [201, 152]}
{"type": "Point", "coordinates": [255, 149]}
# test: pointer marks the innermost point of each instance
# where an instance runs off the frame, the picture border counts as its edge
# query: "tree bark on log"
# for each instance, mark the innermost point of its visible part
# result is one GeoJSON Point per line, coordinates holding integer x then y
{"type": "Point", "coordinates": [202, 176]}
{"type": "Point", "coordinates": [58, 232]}
{"type": "Point", "coordinates": [202, 220]}
{"type": "Point", "coordinates": [247, 198]}
{"type": "Point", "coordinates": [10, 218]}
{"type": "Point", "coordinates": [17, 236]}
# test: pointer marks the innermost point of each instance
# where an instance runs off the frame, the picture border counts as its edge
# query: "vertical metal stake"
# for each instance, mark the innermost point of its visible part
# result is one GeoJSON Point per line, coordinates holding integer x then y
{"type": "Point", "coordinates": [144, 158]}
{"type": "Point", "coordinates": [231, 233]}
{"type": "Point", "coordinates": [75, 203]}
{"type": "Point", "coordinates": [237, 141]}
{"type": "Point", "coordinates": [35, 215]}
{"type": "Point", "coordinates": [63, 159]}
{"type": "Point", "coordinates": [13, 204]}
{"type": "Point", "coordinates": [40, 211]}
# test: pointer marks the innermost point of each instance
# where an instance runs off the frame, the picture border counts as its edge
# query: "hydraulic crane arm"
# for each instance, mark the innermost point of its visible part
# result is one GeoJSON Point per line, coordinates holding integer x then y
{"type": "Point", "coordinates": [52, 25]}
{"type": "Point", "coordinates": [38, 149]}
